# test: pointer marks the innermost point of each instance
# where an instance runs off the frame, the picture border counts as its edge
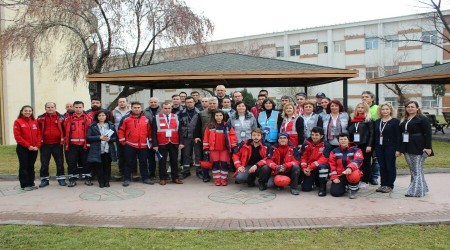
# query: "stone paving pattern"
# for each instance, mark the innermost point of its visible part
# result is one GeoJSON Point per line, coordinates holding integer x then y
{"type": "Point", "coordinates": [196, 205]}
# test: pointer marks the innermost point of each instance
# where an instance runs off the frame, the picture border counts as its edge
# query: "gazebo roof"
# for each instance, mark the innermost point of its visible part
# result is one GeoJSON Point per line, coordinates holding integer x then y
{"type": "Point", "coordinates": [433, 74]}
{"type": "Point", "coordinates": [232, 70]}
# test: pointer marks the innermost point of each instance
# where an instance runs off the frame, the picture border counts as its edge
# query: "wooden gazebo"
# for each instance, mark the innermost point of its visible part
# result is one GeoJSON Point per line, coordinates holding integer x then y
{"type": "Point", "coordinates": [231, 70]}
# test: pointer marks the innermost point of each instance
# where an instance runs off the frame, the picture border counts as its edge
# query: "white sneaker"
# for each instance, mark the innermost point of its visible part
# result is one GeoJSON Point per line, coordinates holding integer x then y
{"type": "Point", "coordinates": [362, 185]}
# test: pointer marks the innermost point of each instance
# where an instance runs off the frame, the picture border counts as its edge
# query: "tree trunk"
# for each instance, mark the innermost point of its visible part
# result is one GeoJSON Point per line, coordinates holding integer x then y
{"type": "Point", "coordinates": [124, 93]}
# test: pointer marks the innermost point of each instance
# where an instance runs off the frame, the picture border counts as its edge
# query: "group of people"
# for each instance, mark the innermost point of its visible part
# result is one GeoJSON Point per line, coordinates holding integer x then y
{"type": "Point", "coordinates": [301, 144]}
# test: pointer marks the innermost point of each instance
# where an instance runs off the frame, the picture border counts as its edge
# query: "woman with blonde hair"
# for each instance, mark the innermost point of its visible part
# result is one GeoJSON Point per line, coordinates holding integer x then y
{"type": "Point", "coordinates": [416, 145]}
{"type": "Point", "coordinates": [387, 145]}
{"type": "Point", "coordinates": [293, 125]}
{"type": "Point", "coordinates": [361, 133]}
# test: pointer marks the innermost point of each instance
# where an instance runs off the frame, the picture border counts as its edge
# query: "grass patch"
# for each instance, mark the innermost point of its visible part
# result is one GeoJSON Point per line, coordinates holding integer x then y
{"type": "Point", "coordinates": [9, 163]}
{"type": "Point", "coordinates": [386, 237]}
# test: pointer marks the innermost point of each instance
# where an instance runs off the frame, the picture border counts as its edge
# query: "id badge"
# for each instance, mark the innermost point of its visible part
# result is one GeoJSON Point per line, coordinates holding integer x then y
{"type": "Point", "coordinates": [243, 134]}
{"type": "Point", "coordinates": [405, 137]}
{"type": "Point", "coordinates": [356, 137]}
{"type": "Point", "coordinates": [168, 133]}
{"type": "Point", "coordinates": [381, 140]}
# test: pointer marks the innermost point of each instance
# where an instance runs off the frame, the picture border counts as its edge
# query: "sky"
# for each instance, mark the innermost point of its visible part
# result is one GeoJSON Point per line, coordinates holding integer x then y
{"type": "Point", "coordinates": [236, 18]}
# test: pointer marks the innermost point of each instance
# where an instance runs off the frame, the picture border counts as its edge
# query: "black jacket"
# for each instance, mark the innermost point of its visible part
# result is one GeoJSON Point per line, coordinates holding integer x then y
{"type": "Point", "coordinates": [93, 138]}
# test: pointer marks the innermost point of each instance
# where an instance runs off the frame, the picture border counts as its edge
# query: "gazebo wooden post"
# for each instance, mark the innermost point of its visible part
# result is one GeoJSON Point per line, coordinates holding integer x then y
{"type": "Point", "coordinates": [151, 92]}
{"type": "Point", "coordinates": [345, 92]}
{"type": "Point", "coordinates": [377, 92]}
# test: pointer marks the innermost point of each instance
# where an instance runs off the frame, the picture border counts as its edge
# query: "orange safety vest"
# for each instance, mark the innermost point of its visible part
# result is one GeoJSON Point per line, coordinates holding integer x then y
{"type": "Point", "coordinates": [164, 129]}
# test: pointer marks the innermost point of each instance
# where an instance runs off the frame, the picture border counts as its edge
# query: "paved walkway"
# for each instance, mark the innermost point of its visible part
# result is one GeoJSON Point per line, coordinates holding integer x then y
{"type": "Point", "coordinates": [196, 205]}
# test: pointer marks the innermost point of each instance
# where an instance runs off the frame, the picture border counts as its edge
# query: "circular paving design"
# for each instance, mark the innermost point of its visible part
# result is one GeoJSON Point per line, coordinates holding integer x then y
{"type": "Point", "coordinates": [397, 193]}
{"type": "Point", "coordinates": [10, 190]}
{"type": "Point", "coordinates": [112, 194]}
{"type": "Point", "coordinates": [242, 197]}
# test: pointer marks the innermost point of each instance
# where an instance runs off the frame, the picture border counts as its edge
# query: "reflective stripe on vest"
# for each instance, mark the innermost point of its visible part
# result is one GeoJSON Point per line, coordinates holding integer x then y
{"type": "Point", "coordinates": [163, 127]}
{"type": "Point", "coordinates": [270, 123]}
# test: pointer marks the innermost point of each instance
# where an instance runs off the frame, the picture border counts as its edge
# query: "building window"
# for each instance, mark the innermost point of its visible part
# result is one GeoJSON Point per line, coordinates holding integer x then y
{"type": "Point", "coordinates": [339, 46]}
{"type": "Point", "coordinates": [295, 50]}
{"type": "Point", "coordinates": [371, 72]}
{"type": "Point", "coordinates": [280, 51]}
{"type": "Point", "coordinates": [429, 37]}
{"type": "Point", "coordinates": [390, 70]}
{"type": "Point", "coordinates": [391, 41]}
{"type": "Point", "coordinates": [428, 102]}
{"type": "Point", "coordinates": [107, 88]}
{"type": "Point", "coordinates": [371, 43]}
{"type": "Point", "coordinates": [323, 48]}
{"type": "Point", "coordinates": [392, 100]}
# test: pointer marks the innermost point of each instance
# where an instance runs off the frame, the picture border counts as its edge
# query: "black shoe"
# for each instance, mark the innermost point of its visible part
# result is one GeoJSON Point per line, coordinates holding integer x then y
{"type": "Point", "coordinates": [44, 183]}
{"type": "Point", "coordinates": [206, 179]}
{"type": "Point", "coordinates": [295, 191]}
{"type": "Point", "coordinates": [88, 181]}
{"type": "Point", "coordinates": [198, 173]}
{"type": "Point", "coordinates": [126, 183]}
{"type": "Point", "coordinates": [72, 183]}
{"type": "Point", "coordinates": [262, 186]}
{"type": "Point", "coordinates": [107, 184]}
{"type": "Point", "coordinates": [101, 185]}
{"type": "Point", "coordinates": [185, 175]}
{"type": "Point", "coordinates": [62, 182]}
{"type": "Point", "coordinates": [374, 182]}
{"type": "Point", "coordinates": [322, 189]}
{"type": "Point", "coordinates": [149, 181]}
{"type": "Point", "coordinates": [251, 184]}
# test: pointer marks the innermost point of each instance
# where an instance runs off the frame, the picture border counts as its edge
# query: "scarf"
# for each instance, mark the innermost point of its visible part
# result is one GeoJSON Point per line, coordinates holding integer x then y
{"type": "Point", "coordinates": [358, 118]}
{"type": "Point", "coordinates": [338, 128]}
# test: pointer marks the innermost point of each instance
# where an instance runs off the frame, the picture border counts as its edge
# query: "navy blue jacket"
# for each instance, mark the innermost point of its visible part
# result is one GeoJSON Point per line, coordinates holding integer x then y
{"type": "Point", "coordinates": [93, 138]}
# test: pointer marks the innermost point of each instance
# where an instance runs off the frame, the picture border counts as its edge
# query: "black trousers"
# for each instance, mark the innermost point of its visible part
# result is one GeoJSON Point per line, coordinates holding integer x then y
{"type": "Point", "coordinates": [47, 151]}
{"type": "Point", "coordinates": [104, 168]}
{"type": "Point", "coordinates": [130, 157]}
{"type": "Point", "coordinates": [78, 161]}
{"type": "Point", "coordinates": [27, 159]}
{"type": "Point", "coordinates": [170, 150]}
{"type": "Point", "coordinates": [152, 163]}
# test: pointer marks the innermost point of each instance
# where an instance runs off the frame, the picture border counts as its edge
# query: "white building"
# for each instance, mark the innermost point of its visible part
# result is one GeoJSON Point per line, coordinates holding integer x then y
{"type": "Point", "coordinates": [352, 46]}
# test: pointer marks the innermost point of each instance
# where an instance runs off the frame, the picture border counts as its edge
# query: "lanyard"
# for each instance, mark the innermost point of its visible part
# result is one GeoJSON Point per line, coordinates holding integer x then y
{"type": "Point", "coordinates": [406, 125]}
{"type": "Point", "coordinates": [382, 128]}
{"type": "Point", "coordinates": [356, 127]}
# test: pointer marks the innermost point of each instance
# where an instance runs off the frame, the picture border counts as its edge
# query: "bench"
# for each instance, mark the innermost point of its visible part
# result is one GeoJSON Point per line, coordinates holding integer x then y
{"type": "Point", "coordinates": [436, 124]}
{"type": "Point", "coordinates": [446, 117]}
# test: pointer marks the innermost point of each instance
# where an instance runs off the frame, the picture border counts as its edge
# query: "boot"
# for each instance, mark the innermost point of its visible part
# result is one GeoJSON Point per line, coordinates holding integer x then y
{"type": "Point", "coordinates": [198, 171]}
{"type": "Point", "coordinates": [185, 172]}
{"type": "Point", "coordinates": [322, 187]}
{"type": "Point", "coordinates": [72, 182]}
{"type": "Point", "coordinates": [88, 181]}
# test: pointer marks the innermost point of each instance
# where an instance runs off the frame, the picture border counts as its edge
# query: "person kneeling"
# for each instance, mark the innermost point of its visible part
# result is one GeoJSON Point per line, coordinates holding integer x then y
{"type": "Point", "coordinates": [314, 161]}
{"type": "Point", "coordinates": [345, 162]}
{"type": "Point", "coordinates": [282, 163]}
{"type": "Point", "coordinates": [250, 161]}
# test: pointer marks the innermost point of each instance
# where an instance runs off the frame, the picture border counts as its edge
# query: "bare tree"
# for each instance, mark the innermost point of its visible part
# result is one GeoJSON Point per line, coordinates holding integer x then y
{"type": "Point", "coordinates": [437, 21]}
{"type": "Point", "coordinates": [100, 35]}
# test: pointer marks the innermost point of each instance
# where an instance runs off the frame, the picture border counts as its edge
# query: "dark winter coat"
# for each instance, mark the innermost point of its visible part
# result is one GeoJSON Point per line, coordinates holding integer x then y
{"type": "Point", "coordinates": [93, 137]}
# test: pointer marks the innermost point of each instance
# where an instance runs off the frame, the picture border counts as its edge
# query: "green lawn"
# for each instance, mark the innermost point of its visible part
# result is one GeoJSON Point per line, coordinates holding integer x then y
{"type": "Point", "coordinates": [386, 237]}
{"type": "Point", "coordinates": [9, 163]}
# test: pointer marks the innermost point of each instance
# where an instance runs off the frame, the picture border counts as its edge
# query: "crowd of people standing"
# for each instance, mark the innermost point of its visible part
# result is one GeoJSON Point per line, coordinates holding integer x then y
{"type": "Point", "coordinates": [301, 144]}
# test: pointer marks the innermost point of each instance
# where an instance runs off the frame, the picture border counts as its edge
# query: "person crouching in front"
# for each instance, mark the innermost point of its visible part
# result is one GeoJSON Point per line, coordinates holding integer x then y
{"type": "Point", "coordinates": [345, 162]}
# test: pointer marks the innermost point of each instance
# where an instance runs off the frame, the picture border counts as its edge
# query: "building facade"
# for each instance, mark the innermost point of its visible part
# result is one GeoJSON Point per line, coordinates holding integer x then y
{"type": "Point", "coordinates": [375, 48]}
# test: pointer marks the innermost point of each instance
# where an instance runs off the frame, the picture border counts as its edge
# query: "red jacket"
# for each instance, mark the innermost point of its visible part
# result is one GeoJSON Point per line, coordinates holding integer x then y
{"type": "Point", "coordinates": [51, 126]}
{"type": "Point", "coordinates": [343, 158]}
{"type": "Point", "coordinates": [241, 158]}
{"type": "Point", "coordinates": [76, 128]}
{"type": "Point", "coordinates": [134, 131]}
{"type": "Point", "coordinates": [314, 154]}
{"type": "Point", "coordinates": [27, 133]}
{"type": "Point", "coordinates": [219, 138]}
{"type": "Point", "coordinates": [282, 155]}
